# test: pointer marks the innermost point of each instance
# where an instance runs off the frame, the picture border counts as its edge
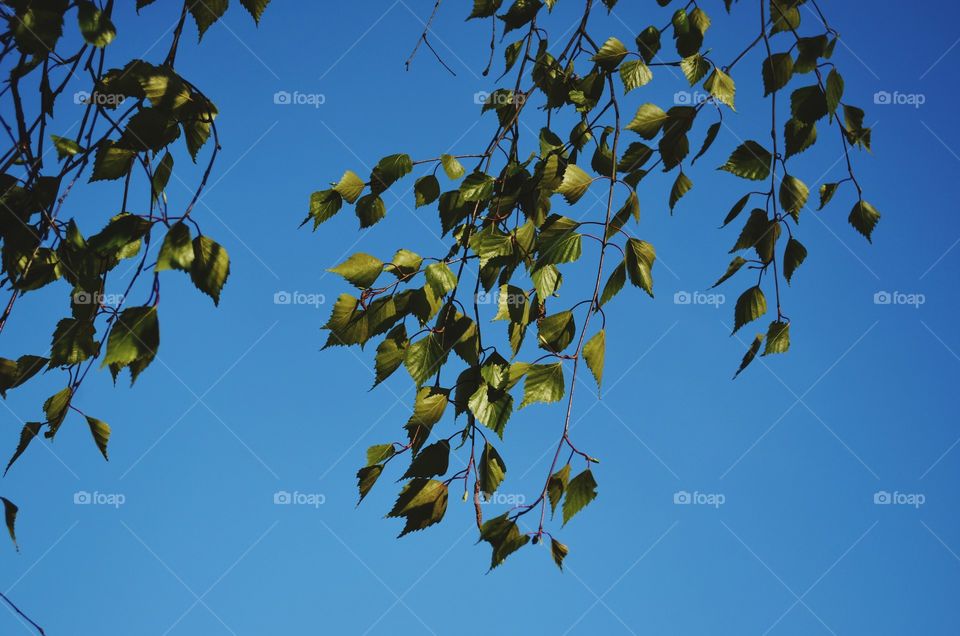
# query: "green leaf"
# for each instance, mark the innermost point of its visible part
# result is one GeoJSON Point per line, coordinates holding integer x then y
{"type": "Point", "coordinates": [721, 86]}
{"type": "Point", "coordinates": [614, 284]}
{"type": "Point", "coordinates": [543, 383]}
{"type": "Point", "coordinates": [694, 68]}
{"type": "Point", "coordinates": [210, 267]}
{"type": "Point", "coordinates": [161, 176]}
{"type": "Point", "coordinates": [29, 431]}
{"type": "Point", "coordinates": [135, 336]}
{"type": "Point", "coordinates": [681, 186]}
{"type": "Point", "coordinates": [648, 121]}
{"type": "Point", "coordinates": [732, 269]}
{"type": "Point", "coordinates": [556, 332]}
{"type": "Point", "coordinates": [751, 305]}
{"type": "Point", "coordinates": [492, 407]}
{"type": "Point", "coordinates": [206, 12]}
{"type": "Point", "coordinates": [778, 338]}
{"type": "Point", "coordinates": [452, 167]}
{"type": "Point", "coordinates": [558, 551]}
{"type": "Point", "coordinates": [827, 190]}
{"type": "Point", "coordinates": [55, 409]}
{"type": "Point", "coordinates": [504, 537]}
{"type": "Point", "coordinates": [484, 8]}
{"type": "Point", "coordinates": [808, 104]}
{"type": "Point", "coordinates": [520, 13]}
{"type": "Point", "coordinates": [565, 249]}
{"type": "Point", "coordinates": [834, 91]}
{"type": "Point", "coordinates": [177, 249]}
{"type": "Point", "coordinates": [426, 190]}
{"type": "Point", "coordinates": [404, 264]}
{"type": "Point", "coordinates": [793, 256]}
{"type": "Point", "coordinates": [378, 453]}
{"type": "Point", "coordinates": [798, 136]}
{"type": "Point", "coordinates": [10, 516]}
{"type": "Point", "coordinates": [634, 74]}
{"type": "Point", "coordinates": [581, 490]}
{"type": "Point", "coordinates": [422, 502]}
{"type": "Point", "coordinates": [428, 409]}
{"type": "Point", "coordinates": [575, 183]}
{"type": "Point", "coordinates": [350, 186]}
{"type": "Point", "coordinates": [556, 486]}
{"type": "Point", "coordinates": [388, 171]}
{"type": "Point", "coordinates": [640, 256]}
{"type": "Point", "coordinates": [390, 353]}
{"type": "Point", "coordinates": [736, 209]}
{"type": "Point", "coordinates": [749, 161]}
{"type": "Point", "coordinates": [95, 26]}
{"type": "Point", "coordinates": [323, 205]}
{"type": "Point", "coordinates": [255, 8]}
{"type": "Point", "coordinates": [793, 195]}
{"type": "Point", "coordinates": [777, 71]}
{"type": "Point", "coordinates": [784, 15]}
{"type": "Point", "coordinates": [111, 162]}
{"type": "Point", "coordinates": [14, 373]}
{"type": "Point", "coordinates": [864, 218]}
{"type": "Point", "coordinates": [65, 147]}
{"type": "Point", "coordinates": [708, 140]}
{"type": "Point", "coordinates": [491, 470]}
{"type": "Point", "coordinates": [760, 233]}
{"type": "Point", "coordinates": [750, 354]}
{"type": "Point", "coordinates": [360, 270]}
{"type": "Point", "coordinates": [73, 342]}
{"type": "Point", "coordinates": [594, 353]}
{"type": "Point", "coordinates": [366, 478]}
{"type": "Point", "coordinates": [101, 434]}
{"type": "Point", "coordinates": [424, 357]}
{"type": "Point", "coordinates": [611, 53]}
{"type": "Point", "coordinates": [648, 43]}
{"type": "Point", "coordinates": [431, 461]}
{"type": "Point", "coordinates": [370, 210]}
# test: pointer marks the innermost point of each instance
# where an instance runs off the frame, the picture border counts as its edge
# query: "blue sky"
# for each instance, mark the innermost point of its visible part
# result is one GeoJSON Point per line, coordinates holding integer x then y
{"type": "Point", "coordinates": [242, 404]}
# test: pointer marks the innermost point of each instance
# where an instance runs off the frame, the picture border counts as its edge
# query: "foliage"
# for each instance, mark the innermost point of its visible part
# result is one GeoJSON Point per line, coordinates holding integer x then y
{"type": "Point", "coordinates": [137, 117]}
{"type": "Point", "coordinates": [511, 220]}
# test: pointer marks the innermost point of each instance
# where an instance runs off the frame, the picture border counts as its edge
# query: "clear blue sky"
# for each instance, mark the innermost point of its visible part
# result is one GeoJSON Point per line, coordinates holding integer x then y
{"type": "Point", "coordinates": [242, 404]}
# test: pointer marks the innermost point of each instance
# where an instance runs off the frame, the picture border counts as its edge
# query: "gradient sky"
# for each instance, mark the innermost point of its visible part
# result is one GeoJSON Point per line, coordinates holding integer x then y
{"type": "Point", "coordinates": [241, 403]}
